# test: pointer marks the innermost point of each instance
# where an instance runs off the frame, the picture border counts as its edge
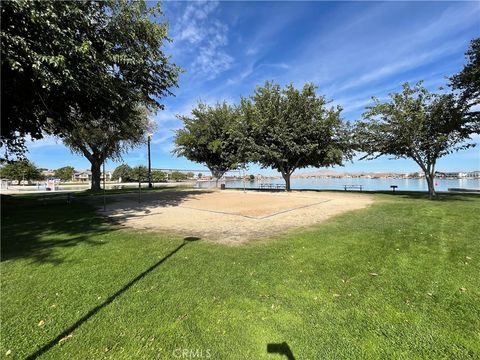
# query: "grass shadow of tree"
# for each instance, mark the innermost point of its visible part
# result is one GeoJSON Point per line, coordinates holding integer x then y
{"type": "Point", "coordinates": [34, 230]}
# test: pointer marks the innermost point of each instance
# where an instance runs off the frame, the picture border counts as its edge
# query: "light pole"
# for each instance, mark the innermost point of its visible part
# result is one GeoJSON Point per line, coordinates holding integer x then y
{"type": "Point", "coordinates": [103, 165]}
{"type": "Point", "coordinates": [104, 188]}
{"type": "Point", "coordinates": [149, 137]}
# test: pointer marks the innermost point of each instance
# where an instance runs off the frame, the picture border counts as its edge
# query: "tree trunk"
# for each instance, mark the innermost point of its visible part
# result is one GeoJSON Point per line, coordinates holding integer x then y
{"type": "Point", "coordinates": [286, 177]}
{"type": "Point", "coordinates": [431, 185]}
{"type": "Point", "coordinates": [429, 171]}
{"type": "Point", "coordinates": [96, 175]}
{"type": "Point", "coordinates": [217, 174]}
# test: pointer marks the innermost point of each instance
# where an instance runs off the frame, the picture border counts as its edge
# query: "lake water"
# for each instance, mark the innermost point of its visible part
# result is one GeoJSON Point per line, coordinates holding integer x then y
{"type": "Point", "coordinates": [312, 183]}
{"type": "Point", "coordinates": [368, 184]}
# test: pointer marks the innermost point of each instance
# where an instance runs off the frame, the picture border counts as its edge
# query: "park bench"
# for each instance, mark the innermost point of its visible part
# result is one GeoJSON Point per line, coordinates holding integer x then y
{"type": "Point", "coordinates": [273, 186]}
{"type": "Point", "coordinates": [353, 187]}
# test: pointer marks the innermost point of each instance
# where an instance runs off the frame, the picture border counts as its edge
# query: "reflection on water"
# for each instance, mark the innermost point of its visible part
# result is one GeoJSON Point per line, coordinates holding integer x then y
{"type": "Point", "coordinates": [312, 183]}
{"type": "Point", "coordinates": [368, 184]}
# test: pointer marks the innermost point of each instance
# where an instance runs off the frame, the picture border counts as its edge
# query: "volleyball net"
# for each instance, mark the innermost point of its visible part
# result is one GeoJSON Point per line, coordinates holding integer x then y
{"type": "Point", "coordinates": [203, 178]}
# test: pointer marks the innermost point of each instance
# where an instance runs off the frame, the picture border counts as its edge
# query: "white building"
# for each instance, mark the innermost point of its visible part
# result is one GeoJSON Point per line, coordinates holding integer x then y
{"type": "Point", "coordinates": [82, 176]}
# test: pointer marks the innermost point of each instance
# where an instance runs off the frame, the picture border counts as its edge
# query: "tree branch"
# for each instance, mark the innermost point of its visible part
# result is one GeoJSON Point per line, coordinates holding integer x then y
{"type": "Point", "coordinates": [85, 151]}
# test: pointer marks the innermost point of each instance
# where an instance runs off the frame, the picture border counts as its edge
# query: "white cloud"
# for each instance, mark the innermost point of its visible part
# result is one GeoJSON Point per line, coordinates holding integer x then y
{"type": "Point", "coordinates": [169, 115]}
{"type": "Point", "coordinates": [256, 69]}
{"type": "Point", "coordinates": [212, 59]}
{"type": "Point", "coordinates": [191, 34]}
{"type": "Point", "coordinates": [207, 39]}
{"type": "Point", "coordinates": [167, 123]}
{"type": "Point", "coordinates": [370, 49]}
{"type": "Point", "coordinates": [402, 65]}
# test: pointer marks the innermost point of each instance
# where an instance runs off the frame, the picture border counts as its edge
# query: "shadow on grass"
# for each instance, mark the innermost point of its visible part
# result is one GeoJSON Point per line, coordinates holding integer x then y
{"type": "Point", "coordinates": [35, 230]}
{"type": "Point", "coordinates": [31, 230]}
{"type": "Point", "coordinates": [109, 300]}
{"type": "Point", "coordinates": [282, 349]}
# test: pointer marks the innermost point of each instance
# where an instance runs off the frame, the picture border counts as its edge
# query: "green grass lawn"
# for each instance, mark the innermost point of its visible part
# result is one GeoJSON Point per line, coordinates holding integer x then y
{"type": "Point", "coordinates": [400, 279]}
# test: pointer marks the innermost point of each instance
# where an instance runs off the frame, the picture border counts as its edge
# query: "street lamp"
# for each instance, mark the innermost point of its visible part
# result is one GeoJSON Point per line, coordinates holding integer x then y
{"type": "Point", "coordinates": [149, 138]}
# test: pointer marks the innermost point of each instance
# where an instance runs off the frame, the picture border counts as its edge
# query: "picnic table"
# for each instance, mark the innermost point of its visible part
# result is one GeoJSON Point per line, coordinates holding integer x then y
{"type": "Point", "coordinates": [353, 187]}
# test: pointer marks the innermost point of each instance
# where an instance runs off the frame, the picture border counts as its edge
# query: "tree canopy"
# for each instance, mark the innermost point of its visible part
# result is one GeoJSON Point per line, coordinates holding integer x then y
{"type": "Point", "coordinates": [289, 129]}
{"type": "Point", "coordinates": [65, 173]}
{"type": "Point", "coordinates": [97, 143]}
{"type": "Point", "coordinates": [468, 80]}
{"type": "Point", "coordinates": [159, 176]}
{"type": "Point", "coordinates": [93, 57]}
{"type": "Point", "coordinates": [416, 124]}
{"type": "Point", "coordinates": [111, 74]}
{"type": "Point", "coordinates": [20, 170]}
{"type": "Point", "coordinates": [178, 176]}
{"type": "Point", "coordinates": [139, 173]}
{"type": "Point", "coordinates": [122, 172]}
{"type": "Point", "coordinates": [209, 136]}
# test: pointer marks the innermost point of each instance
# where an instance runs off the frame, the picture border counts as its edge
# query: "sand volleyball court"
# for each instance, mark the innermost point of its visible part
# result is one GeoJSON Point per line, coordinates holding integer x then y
{"type": "Point", "coordinates": [230, 216]}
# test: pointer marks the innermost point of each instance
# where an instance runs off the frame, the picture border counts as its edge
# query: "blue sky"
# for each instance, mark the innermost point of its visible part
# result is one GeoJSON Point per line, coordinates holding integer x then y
{"type": "Point", "coordinates": [350, 50]}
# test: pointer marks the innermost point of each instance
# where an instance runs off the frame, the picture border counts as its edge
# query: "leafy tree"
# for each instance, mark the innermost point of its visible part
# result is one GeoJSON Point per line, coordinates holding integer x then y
{"type": "Point", "coordinates": [251, 177]}
{"type": "Point", "coordinates": [178, 176]}
{"type": "Point", "coordinates": [289, 129]}
{"type": "Point", "coordinates": [65, 173]}
{"type": "Point", "coordinates": [97, 143]}
{"type": "Point", "coordinates": [159, 176]}
{"type": "Point", "coordinates": [21, 170]}
{"type": "Point", "coordinates": [139, 173]}
{"type": "Point", "coordinates": [96, 57]}
{"type": "Point", "coordinates": [44, 64]}
{"type": "Point", "coordinates": [468, 80]}
{"type": "Point", "coordinates": [199, 175]}
{"type": "Point", "coordinates": [416, 124]}
{"type": "Point", "coordinates": [122, 172]}
{"type": "Point", "coordinates": [209, 137]}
